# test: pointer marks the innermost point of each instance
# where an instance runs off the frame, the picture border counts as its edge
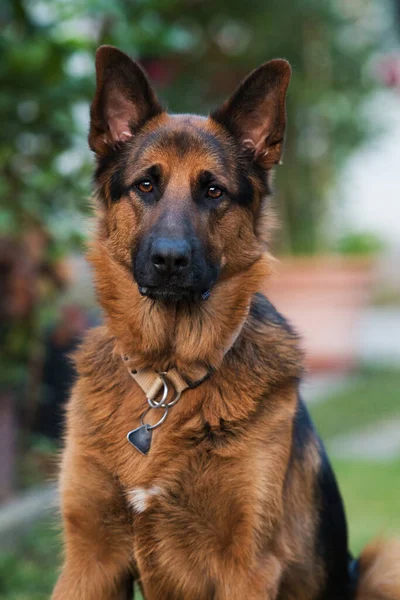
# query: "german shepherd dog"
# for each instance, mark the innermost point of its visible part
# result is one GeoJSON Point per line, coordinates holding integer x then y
{"type": "Point", "coordinates": [191, 464]}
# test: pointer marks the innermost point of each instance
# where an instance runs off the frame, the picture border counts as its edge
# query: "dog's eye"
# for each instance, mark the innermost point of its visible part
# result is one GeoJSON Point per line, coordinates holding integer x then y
{"type": "Point", "coordinates": [214, 192]}
{"type": "Point", "coordinates": [145, 186]}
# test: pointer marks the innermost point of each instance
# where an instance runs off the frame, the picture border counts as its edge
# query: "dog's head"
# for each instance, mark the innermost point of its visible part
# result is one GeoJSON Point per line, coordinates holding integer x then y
{"type": "Point", "coordinates": [183, 195]}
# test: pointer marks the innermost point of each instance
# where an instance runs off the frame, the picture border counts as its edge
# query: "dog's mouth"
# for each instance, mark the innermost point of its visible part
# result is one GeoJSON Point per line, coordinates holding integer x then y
{"type": "Point", "coordinates": [175, 294]}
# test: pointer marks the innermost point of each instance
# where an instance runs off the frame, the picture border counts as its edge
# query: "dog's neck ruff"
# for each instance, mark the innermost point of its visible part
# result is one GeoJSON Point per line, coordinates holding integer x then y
{"type": "Point", "coordinates": [158, 383]}
{"type": "Point", "coordinates": [154, 384]}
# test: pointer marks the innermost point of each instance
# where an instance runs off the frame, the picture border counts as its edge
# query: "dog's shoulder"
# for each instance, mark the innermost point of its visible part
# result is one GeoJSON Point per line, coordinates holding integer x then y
{"type": "Point", "coordinates": [99, 383]}
{"type": "Point", "coordinates": [275, 342]}
{"type": "Point", "coordinates": [263, 311]}
{"type": "Point", "coordinates": [95, 357]}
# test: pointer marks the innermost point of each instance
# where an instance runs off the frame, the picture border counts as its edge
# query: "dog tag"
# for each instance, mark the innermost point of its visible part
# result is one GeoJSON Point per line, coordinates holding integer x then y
{"type": "Point", "coordinates": [141, 438]}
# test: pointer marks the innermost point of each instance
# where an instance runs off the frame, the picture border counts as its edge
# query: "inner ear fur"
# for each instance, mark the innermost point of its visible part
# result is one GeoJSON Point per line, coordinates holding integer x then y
{"type": "Point", "coordinates": [256, 112]}
{"type": "Point", "coordinates": [124, 100]}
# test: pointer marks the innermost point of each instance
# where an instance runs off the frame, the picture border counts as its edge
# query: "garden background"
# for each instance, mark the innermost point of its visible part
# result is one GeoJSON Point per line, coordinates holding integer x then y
{"type": "Point", "coordinates": [337, 277]}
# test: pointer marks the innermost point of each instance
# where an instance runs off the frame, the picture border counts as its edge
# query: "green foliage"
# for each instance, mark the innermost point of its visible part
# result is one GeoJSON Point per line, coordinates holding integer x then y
{"type": "Point", "coordinates": [39, 462]}
{"type": "Point", "coordinates": [37, 104]}
{"type": "Point", "coordinates": [196, 53]}
{"type": "Point", "coordinates": [363, 243]}
{"type": "Point", "coordinates": [29, 572]}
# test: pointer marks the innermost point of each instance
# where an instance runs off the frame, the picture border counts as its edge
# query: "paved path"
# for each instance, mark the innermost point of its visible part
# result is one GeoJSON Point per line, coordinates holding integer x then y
{"type": "Point", "coordinates": [321, 387]}
{"type": "Point", "coordinates": [21, 512]}
{"type": "Point", "coordinates": [378, 339]}
{"type": "Point", "coordinates": [378, 442]}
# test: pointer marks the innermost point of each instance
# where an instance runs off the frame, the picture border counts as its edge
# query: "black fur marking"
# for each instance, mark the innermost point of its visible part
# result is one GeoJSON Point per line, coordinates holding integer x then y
{"type": "Point", "coordinates": [219, 435]}
{"type": "Point", "coordinates": [117, 187]}
{"type": "Point", "coordinates": [206, 178]}
{"type": "Point", "coordinates": [354, 574]}
{"type": "Point", "coordinates": [114, 163]}
{"type": "Point", "coordinates": [155, 174]}
{"type": "Point", "coordinates": [104, 163]}
{"type": "Point", "coordinates": [245, 194]}
{"type": "Point", "coordinates": [262, 310]}
{"type": "Point", "coordinates": [194, 137]}
{"type": "Point", "coordinates": [303, 429]}
{"type": "Point", "coordinates": [332, 540]}
{"type": "Point", "coordinates": [182, 141]}
{"type": "Point", "coordinates": [332, 536]}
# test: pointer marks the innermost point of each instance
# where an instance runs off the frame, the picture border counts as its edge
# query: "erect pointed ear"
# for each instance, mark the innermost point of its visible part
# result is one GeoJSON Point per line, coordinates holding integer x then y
{"type": "Point", "coordinates": [256, 113]}
{"type": "Point", "coordinates": [123, 101]}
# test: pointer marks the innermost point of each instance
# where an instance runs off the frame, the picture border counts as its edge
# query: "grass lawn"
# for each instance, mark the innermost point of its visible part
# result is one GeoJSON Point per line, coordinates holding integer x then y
{"type": "Point", "coordinates": [374, 394]}
{"type": "Point", "coordinates": [29, 572]}
{"type": "Point", "coordinates": [371, 493]}
{"type": "Point", "coordinates": [371, 490]}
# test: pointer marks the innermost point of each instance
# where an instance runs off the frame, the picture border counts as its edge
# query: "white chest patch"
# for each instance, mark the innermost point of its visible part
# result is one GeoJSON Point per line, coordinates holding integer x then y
{"type": "Point", "coordinates": [139, 498]}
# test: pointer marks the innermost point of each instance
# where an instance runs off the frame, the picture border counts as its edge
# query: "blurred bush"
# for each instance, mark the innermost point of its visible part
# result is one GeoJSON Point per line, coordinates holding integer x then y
{"type": "Point", "coordinates": [364, 243]}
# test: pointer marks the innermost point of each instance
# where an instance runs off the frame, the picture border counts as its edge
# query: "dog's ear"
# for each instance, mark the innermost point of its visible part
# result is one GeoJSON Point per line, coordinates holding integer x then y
{"type": "Point", "coordinates": [123, 101]}
{"type": "Point", "coordinates": [256, 112]}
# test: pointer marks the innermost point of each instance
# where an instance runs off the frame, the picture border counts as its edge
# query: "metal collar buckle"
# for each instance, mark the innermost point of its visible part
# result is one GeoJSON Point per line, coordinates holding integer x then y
{"type": "Point", "coordinates": [161, 403]}
{"type": "Point", "coordinates": [140, 437]}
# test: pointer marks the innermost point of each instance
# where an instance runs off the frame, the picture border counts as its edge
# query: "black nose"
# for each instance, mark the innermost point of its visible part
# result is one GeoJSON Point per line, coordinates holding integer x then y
{"type": "Point", "coordinates": [170, 256]}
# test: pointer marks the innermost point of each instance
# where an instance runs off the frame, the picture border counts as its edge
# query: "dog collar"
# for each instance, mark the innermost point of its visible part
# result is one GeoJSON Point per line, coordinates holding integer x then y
{"type": "Point", "coordinates": [157, 385]}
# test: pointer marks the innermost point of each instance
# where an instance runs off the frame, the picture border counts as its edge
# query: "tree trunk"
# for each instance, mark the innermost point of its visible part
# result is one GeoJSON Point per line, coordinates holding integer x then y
{"type": "Point", "coordinates": [7, 444]}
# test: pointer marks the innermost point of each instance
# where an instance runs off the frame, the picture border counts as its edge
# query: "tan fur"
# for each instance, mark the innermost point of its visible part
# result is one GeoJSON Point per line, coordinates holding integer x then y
{"type": "Point", "coordinates": [105, 402]}
{"type": "Point", "coordinates": [95, 507]}
{"type": "Point", "coordinates": [380, 571]}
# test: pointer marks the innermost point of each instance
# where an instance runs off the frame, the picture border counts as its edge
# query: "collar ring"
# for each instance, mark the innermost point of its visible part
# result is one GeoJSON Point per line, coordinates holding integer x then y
{"type": "Point", "coordinates": [147, 425]}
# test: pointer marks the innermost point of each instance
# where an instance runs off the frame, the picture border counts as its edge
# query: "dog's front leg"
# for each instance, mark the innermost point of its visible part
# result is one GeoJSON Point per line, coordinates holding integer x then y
{"type": "Point", "coordinates": [230, 580]}
{"type": "Point", "coordinates": [235, 582]}
{"type": "Point", "coordinates": [97, 532]}
{"type": "Point", "coordinates": [69, 586]}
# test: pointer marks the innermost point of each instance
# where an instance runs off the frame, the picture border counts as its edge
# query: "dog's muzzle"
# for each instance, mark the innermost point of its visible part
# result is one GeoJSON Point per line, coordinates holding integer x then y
{"type": "Point", "coordinates": [173, 269]}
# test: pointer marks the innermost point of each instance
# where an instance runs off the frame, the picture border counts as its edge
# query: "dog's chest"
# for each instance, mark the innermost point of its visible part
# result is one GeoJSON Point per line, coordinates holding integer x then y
{"type": "Point", "coordinates": [210, 480]}
{"type": "Point", "coordinates": [200, 513]}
